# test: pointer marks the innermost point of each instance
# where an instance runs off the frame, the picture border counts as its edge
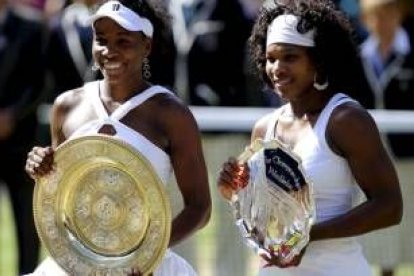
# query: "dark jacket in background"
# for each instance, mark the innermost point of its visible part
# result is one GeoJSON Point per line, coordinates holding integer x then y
{"type": "Point", "coordinates": [69, 50]}
{"type": "Point", "coordinates": [395, 92]}
{"type": "Point", "coordinates": [21, 79]}
{"type": "Point", "coordinates": [216, 32]}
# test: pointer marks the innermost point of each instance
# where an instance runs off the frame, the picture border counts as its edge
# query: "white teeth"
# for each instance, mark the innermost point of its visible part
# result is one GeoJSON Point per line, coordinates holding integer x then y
{"type": "Point", "coordinates": [282, 82]}
{"type": "Point", "coordinates": [112, 65]}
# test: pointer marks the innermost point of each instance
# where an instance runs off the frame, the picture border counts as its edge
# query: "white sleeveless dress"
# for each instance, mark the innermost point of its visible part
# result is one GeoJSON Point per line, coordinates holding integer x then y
{"type": "Point", "coordinates": [334, 191]}
{"type": "Point", "coordinates": [172, 264]}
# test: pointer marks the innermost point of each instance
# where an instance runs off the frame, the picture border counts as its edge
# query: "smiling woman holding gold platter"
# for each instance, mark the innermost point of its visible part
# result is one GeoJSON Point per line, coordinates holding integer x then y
{"type": "Point", "coordinates": [102, 210]}
{"type": "Point", "coordinates": [94, 212]}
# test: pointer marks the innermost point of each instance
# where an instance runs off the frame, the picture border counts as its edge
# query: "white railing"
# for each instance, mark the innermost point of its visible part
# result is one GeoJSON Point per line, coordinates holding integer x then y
{"type": "Point", "coordinates": [242, 119]}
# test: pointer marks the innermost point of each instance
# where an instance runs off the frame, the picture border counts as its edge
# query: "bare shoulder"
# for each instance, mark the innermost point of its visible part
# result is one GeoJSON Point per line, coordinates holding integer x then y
{"type": "Point", "coordinates": [68, 99]}
{"type": "Point", "coordinates": [65, 103]}
{"type": "Point", "coordinates": [177, 124]}
{"type": "Point", "coordinates": [171, 108]}
{"type": "Point", "coordinates": [351, 129]}
{"type": "Point", "coordinates": [261, 125]}
{"type": "Point", "coordinates": [350, 116]}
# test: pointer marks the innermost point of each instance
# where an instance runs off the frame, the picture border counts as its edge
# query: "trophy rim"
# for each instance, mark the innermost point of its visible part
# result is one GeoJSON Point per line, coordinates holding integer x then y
{"type": "Point", "coordinates": [55, 194]}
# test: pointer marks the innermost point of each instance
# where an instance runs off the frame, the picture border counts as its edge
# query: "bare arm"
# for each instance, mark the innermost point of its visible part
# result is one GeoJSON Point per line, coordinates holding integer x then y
{"type": "Point", "coordinates": [59, 111]}
{"type": "Point", "coordinates": [40, 160]}
{"type": "Point", "coordinates": [191, 174]}
{"type": "Point", "coordinates": [353, 133]}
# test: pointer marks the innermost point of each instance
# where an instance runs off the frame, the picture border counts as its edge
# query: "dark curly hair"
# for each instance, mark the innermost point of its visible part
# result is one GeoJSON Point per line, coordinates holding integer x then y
{"type": "Point", "coordinates": [335, 54]}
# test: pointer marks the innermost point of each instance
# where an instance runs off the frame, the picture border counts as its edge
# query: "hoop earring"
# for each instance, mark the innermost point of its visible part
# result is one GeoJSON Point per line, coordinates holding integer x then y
{"type": "Point", "coordinates": [319, 86]}
{"type": "Point", "coordinates": [146, 69]}
{"type": "Point", "coordinates": [95, 67]}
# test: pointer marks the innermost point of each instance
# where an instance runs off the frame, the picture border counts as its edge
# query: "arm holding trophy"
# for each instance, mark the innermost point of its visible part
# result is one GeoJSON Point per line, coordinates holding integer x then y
{"type": "Point", "coordinates": [116, 142]}
{"type": "Point", "coordinates": [333, 139]}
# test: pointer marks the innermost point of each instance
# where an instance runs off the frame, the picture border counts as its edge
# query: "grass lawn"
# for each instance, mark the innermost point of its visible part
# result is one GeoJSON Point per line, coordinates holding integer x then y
{"type": "Point", "coordinates": [206, 267]}
{"type": "Point", "coordinates": [7, 239]}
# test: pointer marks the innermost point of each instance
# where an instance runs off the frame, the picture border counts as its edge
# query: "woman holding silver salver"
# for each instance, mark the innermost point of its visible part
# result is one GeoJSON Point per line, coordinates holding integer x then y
{"type": "Point", "coordinates": [304, 50]}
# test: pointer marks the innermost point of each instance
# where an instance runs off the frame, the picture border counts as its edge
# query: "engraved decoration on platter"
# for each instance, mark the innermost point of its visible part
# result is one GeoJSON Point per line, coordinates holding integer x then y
{"type": "Point", "coordinates": [103, 210]}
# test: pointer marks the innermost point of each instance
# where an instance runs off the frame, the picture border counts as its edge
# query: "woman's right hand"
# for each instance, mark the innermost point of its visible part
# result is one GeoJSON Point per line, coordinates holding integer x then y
{"type": "Point", "coordinates": [39, 161]}
{"type": "Point", "coordinates": [273, 259]}
{"type": "Point", "coordinates": [233, 176]}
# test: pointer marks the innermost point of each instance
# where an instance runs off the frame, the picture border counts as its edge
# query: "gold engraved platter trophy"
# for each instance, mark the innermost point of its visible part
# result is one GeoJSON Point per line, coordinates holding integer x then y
{"type": "Point", "coordinates": [103, 210]}
{"type": "Point", "coordinates": [275, 210]}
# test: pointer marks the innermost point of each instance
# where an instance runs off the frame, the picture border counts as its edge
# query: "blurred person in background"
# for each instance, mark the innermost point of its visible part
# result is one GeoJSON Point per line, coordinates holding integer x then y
{"type": "Point", "coordinates": [352, 10]}
{"type": "Point", "coordinates": [408, 10]}
{"type": "Point", "coordinates": [68, 43]}
{"type": "Point", "coordinates": [30, 9]}
{"type": "Point", "coordinates": [21, 78]}
{"type": "Point", "coordinates": [213, 34]}
{"type": "Point", "coordinates": [38, 10]}
{"type": "Point", "coordinates": [69, 58]}
{"type": "Point", "coordinates": [388, 58]}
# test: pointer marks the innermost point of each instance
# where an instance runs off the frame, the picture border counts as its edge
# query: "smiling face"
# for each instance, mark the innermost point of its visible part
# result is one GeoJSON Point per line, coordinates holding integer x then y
{"type": "Point", "coordinates": [290, 70]}
{"type": "Point", "coordinates": [118, 52]}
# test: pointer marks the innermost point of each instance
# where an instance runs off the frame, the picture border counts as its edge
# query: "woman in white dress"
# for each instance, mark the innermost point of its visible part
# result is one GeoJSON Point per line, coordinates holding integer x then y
{"type": "Point", "coordinates": [304, 51]}
{"type": "Point", "coordinates": [127, 106]}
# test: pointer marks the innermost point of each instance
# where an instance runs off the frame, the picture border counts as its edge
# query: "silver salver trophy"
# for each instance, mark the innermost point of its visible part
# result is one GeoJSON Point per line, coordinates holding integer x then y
{"type": "Point", "coordinates": [275, 210]}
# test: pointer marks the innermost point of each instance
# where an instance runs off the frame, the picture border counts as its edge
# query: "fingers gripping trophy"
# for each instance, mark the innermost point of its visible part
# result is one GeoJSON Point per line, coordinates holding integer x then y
{"type": "Point", "coordinates": [273, 207]}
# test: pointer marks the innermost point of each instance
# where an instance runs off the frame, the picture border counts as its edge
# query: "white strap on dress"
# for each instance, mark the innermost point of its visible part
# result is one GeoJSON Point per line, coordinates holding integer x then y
{"type": "Point", "coordinates": [127, 106]}
{"type": "Point", "coordinates": [159, 159]}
